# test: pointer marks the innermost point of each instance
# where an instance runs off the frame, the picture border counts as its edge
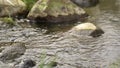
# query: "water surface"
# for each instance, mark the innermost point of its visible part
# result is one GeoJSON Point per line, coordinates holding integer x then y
{"type": "Point", "coordinates": [72, 49]}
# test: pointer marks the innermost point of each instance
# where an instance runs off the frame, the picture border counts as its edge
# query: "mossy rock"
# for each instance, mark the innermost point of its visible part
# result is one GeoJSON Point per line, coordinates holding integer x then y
{"type": "Point", "coordinates": [11, 7]}
{"type": "Point", "coordinates": [29, 3]}
{"type": "Point", "coordinates": [56, 11]}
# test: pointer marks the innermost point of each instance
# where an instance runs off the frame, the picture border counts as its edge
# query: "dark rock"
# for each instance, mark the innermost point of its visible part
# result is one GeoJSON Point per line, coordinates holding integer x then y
{"type": "Point", "coordinates": [96, 33]}
{"type": "Point", "coordinates": [62, 19]}
{"type": "Point", "coordinates": [86, 3]}
{"type": "Point", "coordinates": [28, 64]}
{"type": "Point", "coordinates": [12, 52]}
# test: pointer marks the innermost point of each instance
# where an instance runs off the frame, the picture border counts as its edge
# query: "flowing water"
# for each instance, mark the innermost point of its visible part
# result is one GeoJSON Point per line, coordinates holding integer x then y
{"type": "Point", "coordinates": [71, 49]}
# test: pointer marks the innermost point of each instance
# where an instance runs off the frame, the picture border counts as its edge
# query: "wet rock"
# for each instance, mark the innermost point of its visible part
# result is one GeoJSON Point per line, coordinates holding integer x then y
{"type": "Point", "coordinates": [88, 29]}
{"type": "Point", "coordinates": [11, 7]}
{"type": "Point", "coordinates": [28, 64]}
{"type": "Point", "coordinates": [56, 11]}
{"type": "Point", "coordinates": [12, 52]}
{"type": "Point", "coordinates": [97, 32]}
{"type": "Point", "coordinates": [86, 3]}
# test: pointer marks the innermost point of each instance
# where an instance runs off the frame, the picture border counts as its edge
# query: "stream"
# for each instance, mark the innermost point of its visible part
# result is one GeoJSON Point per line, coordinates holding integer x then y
{"type": "Point", "coordinates": [68, 48]}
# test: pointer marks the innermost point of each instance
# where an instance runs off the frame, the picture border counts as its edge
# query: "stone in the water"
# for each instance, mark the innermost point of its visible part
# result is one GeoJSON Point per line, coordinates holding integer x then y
{"type": "Point", "coordinates": [96, 33]}
{"type": "Point", "coordinates": [56, 11]}
{"type": "Point", "coordinates": [86, 3]}
{"type": "Point", "coordinates": [28, 64]}
{"type": "Point", "coordinates": [12, 52]}
{"type": "Point", "coordinates": [85, 26]}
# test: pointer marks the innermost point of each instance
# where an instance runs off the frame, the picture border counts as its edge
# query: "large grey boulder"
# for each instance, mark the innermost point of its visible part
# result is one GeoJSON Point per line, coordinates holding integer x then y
{"type": "Point", "coordinates": [11, 7]}
{"type": "Point", "coordinates": [56, 11]}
